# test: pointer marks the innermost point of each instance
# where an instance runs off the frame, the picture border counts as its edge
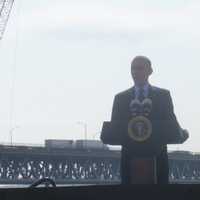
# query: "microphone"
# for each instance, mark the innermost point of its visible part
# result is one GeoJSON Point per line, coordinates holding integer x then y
{"type": "Point", "coordinates": [135, 107]}
{"type": "Point", "coordinates": [147, 106]}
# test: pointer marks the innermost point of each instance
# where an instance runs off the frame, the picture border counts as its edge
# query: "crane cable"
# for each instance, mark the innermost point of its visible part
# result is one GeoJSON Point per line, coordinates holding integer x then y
{"type": "Point", "coordinates": [13, 74]}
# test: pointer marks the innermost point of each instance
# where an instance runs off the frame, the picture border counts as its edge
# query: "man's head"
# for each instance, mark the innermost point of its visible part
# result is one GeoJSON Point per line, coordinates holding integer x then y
{"type": "Point", "coordinates": [141, 70]}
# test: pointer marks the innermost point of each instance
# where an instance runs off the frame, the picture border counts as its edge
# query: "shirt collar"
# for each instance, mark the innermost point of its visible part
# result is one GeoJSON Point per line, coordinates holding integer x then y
{"type": "Point", "coordinates": [145, 87]}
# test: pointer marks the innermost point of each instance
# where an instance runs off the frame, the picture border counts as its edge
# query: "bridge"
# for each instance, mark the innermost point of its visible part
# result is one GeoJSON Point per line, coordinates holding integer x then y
{"type": "Point", "coordinates": [25, 164]}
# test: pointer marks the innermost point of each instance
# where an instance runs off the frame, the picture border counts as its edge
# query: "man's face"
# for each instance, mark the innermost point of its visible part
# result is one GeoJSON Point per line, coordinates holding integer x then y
{"type": "Point", "coordinates": [140, 71]}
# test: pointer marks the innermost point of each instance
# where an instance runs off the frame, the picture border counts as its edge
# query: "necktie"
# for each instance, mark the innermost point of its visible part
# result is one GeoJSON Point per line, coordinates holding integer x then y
{"type": "Point", "coordinates": [141, 94]}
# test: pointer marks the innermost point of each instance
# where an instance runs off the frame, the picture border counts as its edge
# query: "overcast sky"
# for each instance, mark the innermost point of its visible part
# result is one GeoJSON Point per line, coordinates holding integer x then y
{"type": "Point", "coordinates": [68, 58]}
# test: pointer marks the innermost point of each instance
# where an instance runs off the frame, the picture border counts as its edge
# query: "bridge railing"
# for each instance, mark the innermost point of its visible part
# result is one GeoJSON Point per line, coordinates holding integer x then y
{"type": "Point", "coordinates": [25, 165]}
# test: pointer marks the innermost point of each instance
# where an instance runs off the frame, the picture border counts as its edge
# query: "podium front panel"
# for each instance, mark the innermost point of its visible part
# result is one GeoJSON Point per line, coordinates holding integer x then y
{"type": "Point", "coordinates": [143, 170]}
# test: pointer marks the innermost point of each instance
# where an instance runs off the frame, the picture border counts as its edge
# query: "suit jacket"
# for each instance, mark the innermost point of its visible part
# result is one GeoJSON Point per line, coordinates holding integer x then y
{"type": "Point", "coordinates": [162, 110]}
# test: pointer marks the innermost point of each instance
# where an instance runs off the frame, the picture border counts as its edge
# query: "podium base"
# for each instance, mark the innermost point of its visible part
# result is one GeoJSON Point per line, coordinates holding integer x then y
{"type": "Point", "coordinates": [143, 170]}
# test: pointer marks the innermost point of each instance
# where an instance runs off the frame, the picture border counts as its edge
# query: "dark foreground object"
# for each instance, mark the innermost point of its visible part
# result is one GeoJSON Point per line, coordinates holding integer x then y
{"type": "Point", "coordinates": [46, 181]}
{"type": "Point", "coordinates": [111, 192]}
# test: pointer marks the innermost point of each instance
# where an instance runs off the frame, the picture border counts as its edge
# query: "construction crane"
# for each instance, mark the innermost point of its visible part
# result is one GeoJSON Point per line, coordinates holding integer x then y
{"type": "Point", "coordinates": [5, 9]}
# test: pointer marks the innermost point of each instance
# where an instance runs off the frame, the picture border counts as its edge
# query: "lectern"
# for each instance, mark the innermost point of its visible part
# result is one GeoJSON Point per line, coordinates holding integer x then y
{"type": "Point", "coordinates": [144, 138]}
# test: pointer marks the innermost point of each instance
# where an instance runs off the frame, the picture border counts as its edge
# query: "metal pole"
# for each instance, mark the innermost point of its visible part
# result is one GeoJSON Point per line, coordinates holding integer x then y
{"type": "Point", "coordinates": [11, 134]}
{"type": "Point", "coordinates": [85, 129]}
{"type": "Point", "coordinates": [11, 142]}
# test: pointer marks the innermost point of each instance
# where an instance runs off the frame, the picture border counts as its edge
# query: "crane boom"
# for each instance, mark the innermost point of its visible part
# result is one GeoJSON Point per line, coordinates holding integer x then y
{"type": "Point", "coordinates": [5, 9]}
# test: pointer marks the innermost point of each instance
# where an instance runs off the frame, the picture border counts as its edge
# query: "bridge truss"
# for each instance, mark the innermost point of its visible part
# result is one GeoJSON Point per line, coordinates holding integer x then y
{"type": "Point", "coordinates": [81, 166]}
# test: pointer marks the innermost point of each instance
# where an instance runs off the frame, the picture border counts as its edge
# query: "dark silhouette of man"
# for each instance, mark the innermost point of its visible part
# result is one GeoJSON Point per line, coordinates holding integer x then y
{"type": "Point", "coordinates": [162, 109]}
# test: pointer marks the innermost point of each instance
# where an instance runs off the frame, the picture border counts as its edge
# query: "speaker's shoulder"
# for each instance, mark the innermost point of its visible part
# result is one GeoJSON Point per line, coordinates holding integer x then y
{"type": "Point", "coordinates": [159, 90]}
{"type": "Point", "coordinates": [125, 92]}
{"type": "Point", "coordinates": [162, 92]}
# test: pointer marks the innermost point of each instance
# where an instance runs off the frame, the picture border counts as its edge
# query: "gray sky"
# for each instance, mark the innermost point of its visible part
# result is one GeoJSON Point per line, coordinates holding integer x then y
{"type": "Point", "coordinates": [69, 58]}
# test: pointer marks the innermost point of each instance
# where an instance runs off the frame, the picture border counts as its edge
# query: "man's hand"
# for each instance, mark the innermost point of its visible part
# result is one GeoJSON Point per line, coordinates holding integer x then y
{"type": "Point", "coordinates": [184, 135]}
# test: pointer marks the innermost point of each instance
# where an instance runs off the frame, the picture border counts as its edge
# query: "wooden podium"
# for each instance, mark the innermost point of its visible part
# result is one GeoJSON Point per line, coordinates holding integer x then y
{"type": "Point", "coordinates": [142, 162]}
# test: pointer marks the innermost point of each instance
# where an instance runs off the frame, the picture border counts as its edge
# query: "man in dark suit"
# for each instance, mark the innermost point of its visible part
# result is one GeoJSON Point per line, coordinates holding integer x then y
{"type": "Point", "coordinates": [162, 109]}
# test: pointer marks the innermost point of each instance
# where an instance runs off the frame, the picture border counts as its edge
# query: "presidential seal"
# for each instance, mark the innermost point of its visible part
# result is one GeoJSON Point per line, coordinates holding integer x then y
{"type": "Point", "coordinates": [139, 128]}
